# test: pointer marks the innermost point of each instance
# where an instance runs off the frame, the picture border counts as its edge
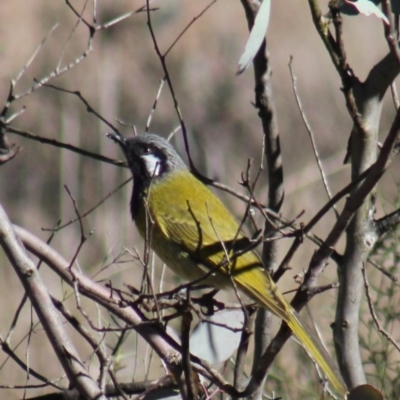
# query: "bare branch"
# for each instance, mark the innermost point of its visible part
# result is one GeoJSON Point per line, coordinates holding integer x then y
{"type": "Point", "coordinates": [154, 105]}
{"type": "Point", "coordinates": [56, 143]}
{"type": "Point", "coordinates": [90, 210]}
{"type": "Point", "coordinates": [388, 222]}
{"type": "Point", "coordinates": [140, 388]}
{"type": "Point", "coordinates": [311, 136]}
{"type": "Point", "coordinates": [390, 33]}
{"type": "Point", "coordinates": [7, 350]}
{"type": "Point", "coordinates": [188, 26]}
{"type": "Point", "coordinates": [44, 308]}
{"type": "Point", "coordinates": [373, 314]}
{"type": "Point", "coordinates": [152, 333]}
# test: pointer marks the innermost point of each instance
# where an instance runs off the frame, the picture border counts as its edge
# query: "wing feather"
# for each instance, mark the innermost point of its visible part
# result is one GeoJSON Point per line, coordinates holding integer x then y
{"type": "Point", "coordinates": [202, 226]}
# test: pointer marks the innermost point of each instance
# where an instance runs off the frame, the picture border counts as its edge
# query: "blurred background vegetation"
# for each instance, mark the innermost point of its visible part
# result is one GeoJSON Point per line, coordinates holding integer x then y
{"type": "Point", "coordinates": [120, 79]}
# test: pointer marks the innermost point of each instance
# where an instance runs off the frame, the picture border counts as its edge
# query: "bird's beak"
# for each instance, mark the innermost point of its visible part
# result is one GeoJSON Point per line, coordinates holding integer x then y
{"type": "Point", "coordinates": [117, 138]}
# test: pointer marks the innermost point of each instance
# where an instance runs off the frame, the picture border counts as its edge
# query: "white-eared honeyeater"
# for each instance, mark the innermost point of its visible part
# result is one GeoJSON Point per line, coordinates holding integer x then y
{"type": "Point", "coordinates": [193, 233]}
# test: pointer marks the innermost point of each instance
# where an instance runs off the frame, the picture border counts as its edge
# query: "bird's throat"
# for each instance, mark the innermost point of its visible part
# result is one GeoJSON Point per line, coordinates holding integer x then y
{"type": "Point", "coordinates": [138, 194]}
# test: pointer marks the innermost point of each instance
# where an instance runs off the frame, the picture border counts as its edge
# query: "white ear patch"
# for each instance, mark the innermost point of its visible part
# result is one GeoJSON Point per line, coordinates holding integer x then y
{"type": "Point", "coordinates": [153, 164]}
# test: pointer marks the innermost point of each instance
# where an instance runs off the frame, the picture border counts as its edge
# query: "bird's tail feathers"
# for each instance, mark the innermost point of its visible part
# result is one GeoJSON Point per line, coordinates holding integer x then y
{"type": "Point", "coordinates": [317, 352]}
{"type": "Point", "coordinates": [274, 301]}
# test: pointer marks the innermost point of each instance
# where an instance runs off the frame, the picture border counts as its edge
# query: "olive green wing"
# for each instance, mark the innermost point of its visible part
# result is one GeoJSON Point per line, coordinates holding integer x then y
{"type": "Point", "coordinates": [200, 224]}
{"type": "Point", "coordinates": [197, 220]}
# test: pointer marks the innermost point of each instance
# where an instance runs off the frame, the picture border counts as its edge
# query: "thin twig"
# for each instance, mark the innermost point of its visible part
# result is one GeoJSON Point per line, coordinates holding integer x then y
{"type": "Point", "coordinates": [67, 146]}
{"type": "Point", "coordinates": [311, 135]}
{"type": "Point", "coordinates": [91, 209]}
{"type": "Point", "coordinates": [306, 228]}
{"type": "Point", "coordinates": [12, 97]}
{"type": "Point", "coordinates": [39, 296]}
{"type": "Point", "coordinates": [394, 279]}
{"type": "Point", "coordinates": [373, 314]}
{"type": "Point", "coordinates": [154, 105]}
{"type": "Point", "coordinates": [79, 20]}
{"type": "Point", "coordinates": [188, 26]}
{"type": "Point", "coordinates": [190, 385]}
{"type": "Point", "coordinates": [83, 236]}
{"type": "Point", "coordinates": [89, 108]}
{"type": "Point", "coordinates": [167, 77]}
{"type": "Point", "coordinates": [10, 352]}
{"type": "Point", "coordinates": [390, 33]}
{"type": "Point", "coordinates": [395, 97]}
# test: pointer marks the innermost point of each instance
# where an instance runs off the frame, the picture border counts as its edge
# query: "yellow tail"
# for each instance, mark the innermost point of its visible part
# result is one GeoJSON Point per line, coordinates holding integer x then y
{"type": "Point", "coordinates": [261, 288]}
{"type": "Point", "coordinates": [316, 351]}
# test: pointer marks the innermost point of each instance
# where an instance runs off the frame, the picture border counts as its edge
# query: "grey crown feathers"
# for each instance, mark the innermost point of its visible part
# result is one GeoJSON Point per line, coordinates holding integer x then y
{"type": "Point", "coordinates": [149, 155]}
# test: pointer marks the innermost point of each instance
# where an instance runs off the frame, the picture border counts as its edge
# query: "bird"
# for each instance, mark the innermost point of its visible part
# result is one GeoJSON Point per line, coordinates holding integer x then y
{"type": "Point", "coordinates": [195, 235]}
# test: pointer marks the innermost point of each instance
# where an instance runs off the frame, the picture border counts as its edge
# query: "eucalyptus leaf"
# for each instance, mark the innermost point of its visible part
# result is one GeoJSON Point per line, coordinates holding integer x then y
{"type": "Point", "coordinates": [365, 7]}
{"type": "Point", "coordinates": [257, 35]}
{"type": "Point", "coordinates": [216, 343]}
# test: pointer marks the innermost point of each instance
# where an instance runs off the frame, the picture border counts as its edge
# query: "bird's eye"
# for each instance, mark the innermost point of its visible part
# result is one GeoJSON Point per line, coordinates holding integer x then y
{"type": "Point", "coordinates": [147, 150]}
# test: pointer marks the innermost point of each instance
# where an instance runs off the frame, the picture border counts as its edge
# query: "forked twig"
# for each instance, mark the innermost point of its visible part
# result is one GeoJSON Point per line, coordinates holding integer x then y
{"type": "Point", "coordinates": [67, 146]}
{"type": "Point", "coordinates": [188, 26]}
{"type": "Point", "coordinates": [91, 209]}
{"type": "Point", "coordinates": [311, 136]}
{"type": "Point", "coordinates": [167, 77]}
{"type": "Point", "coordinates": [153, 109]}
{"type": "Point", "coordinates": [373, 314]}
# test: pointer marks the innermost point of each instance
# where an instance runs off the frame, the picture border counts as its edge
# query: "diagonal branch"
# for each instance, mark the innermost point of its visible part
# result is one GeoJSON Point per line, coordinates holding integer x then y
{"type": "Point", "coordinates": [47, 314]}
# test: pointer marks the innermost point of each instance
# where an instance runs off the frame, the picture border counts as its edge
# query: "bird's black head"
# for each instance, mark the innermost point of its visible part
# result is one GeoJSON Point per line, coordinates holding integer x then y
{"type": "Point", "coordinates": [149, 156]}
